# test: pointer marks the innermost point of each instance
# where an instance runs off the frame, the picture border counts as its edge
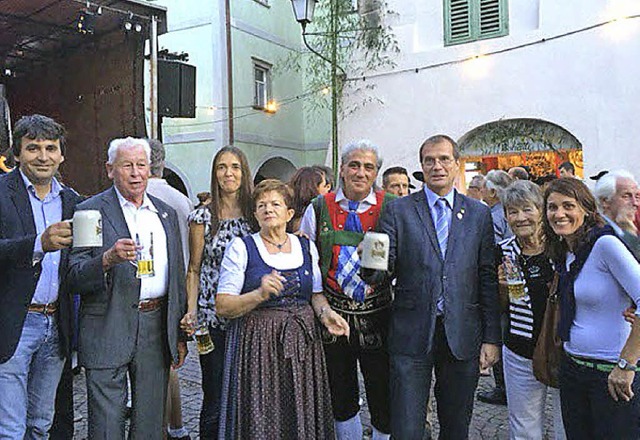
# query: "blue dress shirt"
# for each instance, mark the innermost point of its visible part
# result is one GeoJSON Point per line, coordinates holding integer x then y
{"type": "Point", "coordinates": [45, 213]}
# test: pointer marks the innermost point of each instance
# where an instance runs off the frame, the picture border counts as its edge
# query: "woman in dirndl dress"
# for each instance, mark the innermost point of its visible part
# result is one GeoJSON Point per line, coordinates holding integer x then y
{"type": "Point", "coordinates": [276, 384]}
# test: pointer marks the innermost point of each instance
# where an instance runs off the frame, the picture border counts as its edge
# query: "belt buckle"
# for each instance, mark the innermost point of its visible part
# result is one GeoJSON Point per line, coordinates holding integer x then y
{"type": "Point", "coordinates": [142, 305]}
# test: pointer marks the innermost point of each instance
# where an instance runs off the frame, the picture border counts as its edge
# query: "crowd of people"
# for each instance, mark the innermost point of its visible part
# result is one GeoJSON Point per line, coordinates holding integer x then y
{"type": "Point", "coordinates": [270, 278]}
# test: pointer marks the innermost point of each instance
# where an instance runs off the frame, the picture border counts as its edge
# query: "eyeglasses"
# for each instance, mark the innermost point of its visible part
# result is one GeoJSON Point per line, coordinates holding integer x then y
{"type": "Point", "coordinates": [444, 161]}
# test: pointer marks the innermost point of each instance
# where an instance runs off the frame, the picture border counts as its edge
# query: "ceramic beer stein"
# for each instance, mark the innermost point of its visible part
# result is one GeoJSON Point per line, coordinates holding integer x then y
{"type": "Point", "coordinates": [87, 229]}
{"type": "Point", "coordinates": [375, 251]}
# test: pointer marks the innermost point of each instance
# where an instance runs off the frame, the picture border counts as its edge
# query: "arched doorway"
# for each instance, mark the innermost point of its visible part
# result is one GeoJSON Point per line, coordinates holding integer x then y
{"type": "Point", "coordinates": [275, 168]}
{"type": "Point", "coordinates": [538, 144]}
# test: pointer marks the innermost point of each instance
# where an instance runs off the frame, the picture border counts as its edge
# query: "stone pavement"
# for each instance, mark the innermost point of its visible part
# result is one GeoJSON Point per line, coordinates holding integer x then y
{"type": "Point", "coordinates": [489, 421]}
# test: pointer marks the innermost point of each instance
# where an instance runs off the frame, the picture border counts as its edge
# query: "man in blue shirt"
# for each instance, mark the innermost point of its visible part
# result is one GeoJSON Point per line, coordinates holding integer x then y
{"type": "Point", "coordinates": [35, 312]}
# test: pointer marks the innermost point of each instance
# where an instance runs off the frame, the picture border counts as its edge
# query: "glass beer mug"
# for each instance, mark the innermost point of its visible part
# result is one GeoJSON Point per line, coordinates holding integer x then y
{"type": "Point", "coordinates": [203, 340]}
{"type": "Point", "coordinates": [513, 274]}
{"type": "Point", "coordinates": [144, 258]}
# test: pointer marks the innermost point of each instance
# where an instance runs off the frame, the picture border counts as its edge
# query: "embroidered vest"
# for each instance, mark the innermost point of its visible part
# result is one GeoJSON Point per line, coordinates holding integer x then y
{"type": "Point", "coordinates": [330, 220]}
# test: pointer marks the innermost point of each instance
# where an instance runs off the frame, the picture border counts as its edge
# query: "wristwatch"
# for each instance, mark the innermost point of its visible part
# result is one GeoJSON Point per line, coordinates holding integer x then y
{"type": "Point", "coordinates": [623, 364]}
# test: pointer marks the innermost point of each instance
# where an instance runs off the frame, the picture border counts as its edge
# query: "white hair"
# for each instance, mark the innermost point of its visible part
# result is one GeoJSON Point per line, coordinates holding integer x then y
{"type": "Point", "coordinates": [116, 144]}
{"type": "Point", "coordinates": [362, 144]}
{"type": "Point", "coordinates": [606, 186]}
{"type": "Point", "coordinates": [497, 180]}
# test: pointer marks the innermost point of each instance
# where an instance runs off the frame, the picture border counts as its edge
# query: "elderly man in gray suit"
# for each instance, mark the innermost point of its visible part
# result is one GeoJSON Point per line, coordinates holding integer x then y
{"type": "Point", "coordinates": [444, 315]}
{"type": "Point", "coordinates": [129, 318]}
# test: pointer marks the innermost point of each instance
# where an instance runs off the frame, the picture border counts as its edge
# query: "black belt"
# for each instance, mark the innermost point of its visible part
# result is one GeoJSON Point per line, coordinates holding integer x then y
{"type": "Point", "coordinates": [379, 300]}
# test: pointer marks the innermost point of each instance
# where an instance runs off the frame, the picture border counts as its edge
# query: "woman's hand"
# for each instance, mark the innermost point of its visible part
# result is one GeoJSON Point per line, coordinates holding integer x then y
{"type": "Point", "coordinates": [335, 323]}
{"type": "Point", "coordinates": [503, 289]}
{"type": "Point", "coordinates": [502, 278]}
{"type": "Point", "coordinates": [620, 384]}
{"type": "Point", "coordinates": [188, 323]}
{"type": "Point", "coordinates": [271, 285]}
{"type": "Point", "coordinates": [630, 314]}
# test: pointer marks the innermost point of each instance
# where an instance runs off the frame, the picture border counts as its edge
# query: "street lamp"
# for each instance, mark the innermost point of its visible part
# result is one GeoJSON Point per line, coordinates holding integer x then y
{"type": "Point", "coordinates": [303, 11]}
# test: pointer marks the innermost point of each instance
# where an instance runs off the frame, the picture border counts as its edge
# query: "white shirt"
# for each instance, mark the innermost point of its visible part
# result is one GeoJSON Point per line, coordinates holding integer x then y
{"type": "Point", "coordinates": [143, 221]}
{"type": "Point", "coordinates": [235, 260]}
{"type": "Point", "coordinates": [308, 222]}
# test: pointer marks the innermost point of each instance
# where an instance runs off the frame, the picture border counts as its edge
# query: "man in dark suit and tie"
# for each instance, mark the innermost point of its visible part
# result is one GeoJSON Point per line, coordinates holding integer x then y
{"type": "Point", "coordinates": [445, 313]}
{"type": "Point", "coordinates": [35, 309]}
{"type": "Point", "coordinates": [130, 313]}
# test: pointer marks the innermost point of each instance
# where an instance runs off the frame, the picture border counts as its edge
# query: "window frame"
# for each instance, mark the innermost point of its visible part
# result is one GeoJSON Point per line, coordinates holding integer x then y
{"type": "Point", "coordinates": [474, 22]}
{"type": "Point", "coordinates": [265, 67]}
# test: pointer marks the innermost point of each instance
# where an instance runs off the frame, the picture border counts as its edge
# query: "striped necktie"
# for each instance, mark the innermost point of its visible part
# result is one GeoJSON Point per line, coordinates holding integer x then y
{"type": "Point", "coordinates": [442, 224]}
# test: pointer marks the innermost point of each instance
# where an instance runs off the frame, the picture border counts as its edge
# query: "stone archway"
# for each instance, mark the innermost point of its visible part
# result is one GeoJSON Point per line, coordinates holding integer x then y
{"type": "Point", "coordinates": [275, 168]}
{"type": "Point", "coordinates": [539, 144]}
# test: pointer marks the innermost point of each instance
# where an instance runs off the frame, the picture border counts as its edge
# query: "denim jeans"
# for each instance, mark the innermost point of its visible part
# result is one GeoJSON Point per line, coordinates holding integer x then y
{"type": "Point", "coordinates": [29, 379]}
{"type": "Point", "coordinates": [589, 412]}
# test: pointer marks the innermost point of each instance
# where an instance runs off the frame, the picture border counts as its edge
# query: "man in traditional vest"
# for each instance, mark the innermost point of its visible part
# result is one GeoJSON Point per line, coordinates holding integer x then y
{"type": "Point", "coordinates": [337, 222]}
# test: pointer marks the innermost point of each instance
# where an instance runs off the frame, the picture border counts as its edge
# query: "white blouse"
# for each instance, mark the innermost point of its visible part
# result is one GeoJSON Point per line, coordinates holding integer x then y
{"type": "Point", "coordinates": [235, 260]}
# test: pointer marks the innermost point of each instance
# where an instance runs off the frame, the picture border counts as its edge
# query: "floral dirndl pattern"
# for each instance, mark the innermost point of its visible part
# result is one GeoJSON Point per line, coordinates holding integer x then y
{"type": "Point", "coordinates": [214, 247]}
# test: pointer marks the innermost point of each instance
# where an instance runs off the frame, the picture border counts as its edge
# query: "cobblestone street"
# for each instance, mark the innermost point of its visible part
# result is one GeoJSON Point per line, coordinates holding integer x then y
{"type": "Point", "coordinates": [489, 421]}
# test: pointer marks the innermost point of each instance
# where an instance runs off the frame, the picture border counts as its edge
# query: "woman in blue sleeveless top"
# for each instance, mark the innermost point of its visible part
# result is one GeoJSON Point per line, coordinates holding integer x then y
{"type": "Point", "coordinates": [276, 384]}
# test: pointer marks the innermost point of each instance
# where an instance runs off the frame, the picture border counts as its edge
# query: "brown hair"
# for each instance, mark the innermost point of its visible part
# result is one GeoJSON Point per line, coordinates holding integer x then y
{"type": "Point", "coordinates": [440, 138]}
{"type": "Point", "coordinates": [304, 184]}
{"type": "Point", "coordinates": [273, 185]}
{"type": "Point", "coordinates": [244, 192]}
{"type": "Point", "coordinates": [574, 188]}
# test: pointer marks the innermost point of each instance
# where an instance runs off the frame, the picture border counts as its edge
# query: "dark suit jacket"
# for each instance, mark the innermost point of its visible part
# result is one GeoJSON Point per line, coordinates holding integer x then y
{"type": "Point", "coordinates": [467, 277]}
{"type": "Point", "coordinates": [18, 275]}
{"type": "Point", "coordinates": [109, 306]}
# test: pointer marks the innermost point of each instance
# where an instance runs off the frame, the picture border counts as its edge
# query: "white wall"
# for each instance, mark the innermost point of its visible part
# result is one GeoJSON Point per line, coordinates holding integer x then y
{"type": "Point", "coordinates": [587, 83]}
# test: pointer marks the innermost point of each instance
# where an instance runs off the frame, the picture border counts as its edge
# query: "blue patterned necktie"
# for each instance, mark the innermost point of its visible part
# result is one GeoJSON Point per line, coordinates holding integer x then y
{"type": "Point", "coordinates": [349, 262]}
{"type": "Point", "coordinates": [441, 224]}
{"type": "Point", "coordinates": [442, 232]}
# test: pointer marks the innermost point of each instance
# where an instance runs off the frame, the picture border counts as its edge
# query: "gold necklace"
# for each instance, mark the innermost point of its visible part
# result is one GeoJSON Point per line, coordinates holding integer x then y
{"type": "Point", "coordinates": [279, 246]}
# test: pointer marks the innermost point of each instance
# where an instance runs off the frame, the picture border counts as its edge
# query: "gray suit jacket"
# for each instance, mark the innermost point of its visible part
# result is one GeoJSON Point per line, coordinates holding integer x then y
{"type": "Point", "coordinates": [109, 305]}
{"type": "Point", "coordinates": [466, 277]}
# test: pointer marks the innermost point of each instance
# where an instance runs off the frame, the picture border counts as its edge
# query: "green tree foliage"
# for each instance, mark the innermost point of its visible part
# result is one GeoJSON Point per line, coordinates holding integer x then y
{"type": "Point", "coordinates": [365, 43]}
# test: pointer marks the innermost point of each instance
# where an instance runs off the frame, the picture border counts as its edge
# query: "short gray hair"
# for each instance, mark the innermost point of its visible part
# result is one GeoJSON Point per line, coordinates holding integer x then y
{"type": "Point", "coordinates": [606, 186]}
{"type": "Point", "coordinates": [478, 180]}
{"type": "Point", "coordinates": [362, 144]}
{"type": "Point", "coordinates": [497, 180]}
{"type": "Point", "coordinates": [128, 142]}
{"type": "Point", "coordinates": [522, 193]}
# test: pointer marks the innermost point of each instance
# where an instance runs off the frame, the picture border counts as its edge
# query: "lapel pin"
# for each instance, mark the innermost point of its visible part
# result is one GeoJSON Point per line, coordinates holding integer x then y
{"type": "Point", "coordinates": [165, 215]}
{"type": "Point", "coordinates": [459, 215]}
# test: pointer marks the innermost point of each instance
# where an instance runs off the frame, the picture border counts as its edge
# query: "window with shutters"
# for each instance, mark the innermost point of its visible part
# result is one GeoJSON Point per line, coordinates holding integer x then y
{"type": "Point", "coordinates": [471, 20]}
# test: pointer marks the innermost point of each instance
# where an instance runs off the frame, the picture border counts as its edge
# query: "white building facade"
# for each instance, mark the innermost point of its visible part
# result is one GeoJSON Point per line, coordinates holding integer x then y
{"type": "Point", "coordinates": [572, 63]}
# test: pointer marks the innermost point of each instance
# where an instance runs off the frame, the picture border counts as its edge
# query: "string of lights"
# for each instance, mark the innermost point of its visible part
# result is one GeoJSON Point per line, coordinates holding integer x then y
{"type": "Point", "coordinates": [490, 53]}
{"type": "Point", "coordinates": [278, 104]}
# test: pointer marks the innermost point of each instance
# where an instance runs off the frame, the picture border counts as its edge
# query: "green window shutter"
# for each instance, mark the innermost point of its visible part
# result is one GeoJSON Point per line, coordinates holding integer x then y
{"type": "Point", "coordinates": [457, 21]}
{"type": "Point", "coordinates": [492, 18]}
{"type": "Point", "coordinates": [471, 20]}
